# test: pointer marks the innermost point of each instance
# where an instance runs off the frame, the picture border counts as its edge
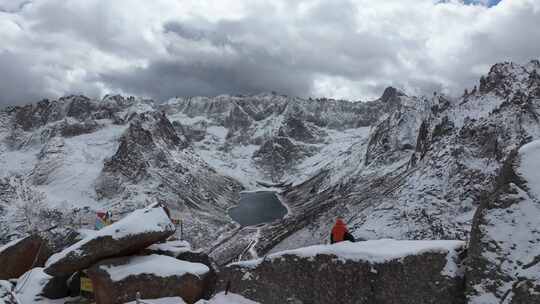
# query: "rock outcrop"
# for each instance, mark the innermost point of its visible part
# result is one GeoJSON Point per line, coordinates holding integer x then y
{"type": "Point", "coordinates": [19, 256]}
{"type": "Point", "coordinates": [504, 253]}
{"type": "Point", "coordinates": [181, 250]}
{"type": "Point", "coordinates": [117, 281]}
{"type": "Point", "coordinates": [50, 158]}
{"type": "Point", "coordinates": [384, 271]}
{"type": "Point", "coordinates": [278, 154]}
{"type": "Point", "coordinates": [133, 233]}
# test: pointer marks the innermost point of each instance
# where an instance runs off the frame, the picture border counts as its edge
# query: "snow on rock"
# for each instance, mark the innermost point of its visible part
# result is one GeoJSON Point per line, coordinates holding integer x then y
{"type": "Point", "coordinates": [383, 271]}
{"type": "Point", "coordinates": [504, 253]}
{"type": "Point", "coordinates": [34, 285]}
{"type": "Point", "coordinates": [375, 251]}
{"type": "Point", "coordinates": [230, 298]}
{"type": "Point", "coordinates": [529, 167]}
{"type": "Point", "coordinates": [118, 280]}
{"type": "Point", "coordinates": [156, 265]}
{"type": "Point", "coordinates": [171, 248]}
{"type": "Point", "coordinates": [136, 231]}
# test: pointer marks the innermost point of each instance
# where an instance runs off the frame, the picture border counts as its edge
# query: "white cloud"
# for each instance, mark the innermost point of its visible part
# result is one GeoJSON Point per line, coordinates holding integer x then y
{"type": "Point", "coordinates": [338, 48]}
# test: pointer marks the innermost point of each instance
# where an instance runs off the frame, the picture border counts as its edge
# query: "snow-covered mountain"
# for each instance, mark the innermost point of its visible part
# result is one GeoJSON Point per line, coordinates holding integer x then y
{"type": "Point", "coordinates": [400, 166]}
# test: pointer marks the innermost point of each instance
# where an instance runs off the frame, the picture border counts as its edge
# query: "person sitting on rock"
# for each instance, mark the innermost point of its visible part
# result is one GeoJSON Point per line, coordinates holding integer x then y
{"type": "Point", "coordinates": [340, 232]}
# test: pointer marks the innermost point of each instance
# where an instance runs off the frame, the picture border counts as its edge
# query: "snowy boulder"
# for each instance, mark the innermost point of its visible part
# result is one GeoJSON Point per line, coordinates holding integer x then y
{"type": "Point", "coordinates": [504, 253]}
{"type": "Point", "coordinates": [133, 233]}
{"type": "Point", "coordinates": [382, 271]}
{"type": "Point", "coordinates": [19, 256]}
{"type": "Point", "coordinates": [154, 276]}
{"type": "Point", "coordinates": [181, 250]}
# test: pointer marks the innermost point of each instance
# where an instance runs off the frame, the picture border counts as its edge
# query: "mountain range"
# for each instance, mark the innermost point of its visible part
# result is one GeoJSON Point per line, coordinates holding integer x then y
{"type": "Point", "coordinates": [401, 167]}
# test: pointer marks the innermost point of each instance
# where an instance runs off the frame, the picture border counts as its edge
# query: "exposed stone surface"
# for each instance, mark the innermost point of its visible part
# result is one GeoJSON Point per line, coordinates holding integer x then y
{"type": "Point", "coordinates": [210, 280]}
{"type": "Point", "coordinates": [326, 278]}
{"type": "Point", "coordinates": [181, 250]}
{"type": "Point", "coordinates": [117, 281]}
{"type": "Point", "coordinates": [278, 154]}
{"type": "Point", "coordinates": [19, 256]}
{"type": "Point", "coordinates": [295, 128]}
{"type": "Point", "coordinates": [153, 163]}
{"type": "Point", "coordinates": [56, 287]}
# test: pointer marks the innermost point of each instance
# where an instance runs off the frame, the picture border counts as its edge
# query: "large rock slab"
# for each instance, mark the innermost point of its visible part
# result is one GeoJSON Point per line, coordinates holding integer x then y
{"type": "Point", "coordinates": [133, 233]}
{"type": "Point", "coordinates": [504, 253]}
{"type": "Point", "coordinates": [383, 271]}
{"type": "Point", "coordinates": [118, 280]}
{"type": "Point", "coordinates": [19, 256]}
{"type": "Point", "coordinates": [182, 250]}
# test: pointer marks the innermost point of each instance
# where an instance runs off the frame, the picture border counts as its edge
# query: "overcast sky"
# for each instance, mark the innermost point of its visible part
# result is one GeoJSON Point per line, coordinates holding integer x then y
{"type": "Point", "coordinates": [349, 49]}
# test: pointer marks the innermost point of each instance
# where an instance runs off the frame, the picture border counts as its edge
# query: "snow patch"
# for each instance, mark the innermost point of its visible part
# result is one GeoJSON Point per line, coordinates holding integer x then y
{"type": "Point", "coordinates": [530, 166]}
{"type": "Point", "coordinates": [375, 251]}
{"type": "Point", "coordinates": [222, 298]}
{"type": "Point", "coordinates": [157, 265]}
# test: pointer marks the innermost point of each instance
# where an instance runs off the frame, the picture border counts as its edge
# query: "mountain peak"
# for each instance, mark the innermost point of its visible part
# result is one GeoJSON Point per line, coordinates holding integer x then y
{"type": "Point", "coordinates": [391, 95]}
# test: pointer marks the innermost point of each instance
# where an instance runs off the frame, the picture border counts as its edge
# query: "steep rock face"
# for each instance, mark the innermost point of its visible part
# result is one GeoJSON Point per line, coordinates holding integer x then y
{"type": "Point", "coordinates": [348, 274]}
{"type": "Point", "coordinates": [67, 128]}
{"type": "Point", "coordinates": [395, 134]}
{"type": "Point", "coordinates": [228, 130]}
{"type": "Point", "coordinates": [141, 143]}
{"type": "Point", "coordinates": [238, 121]}
{"type": "Point", "coordinates": [278, 154]}
{"type": "Point", "coordinates": [154, 164]}
{"type": "Point", "coordinates": [37, 115]}
{"type": "Point", "coordinates": [296, 129]}
{"type": "Point", "coordinates": [50, 158]}
{"type": "Point", "coordinates": [17, 257]}
{"type": "Point", "coordinates": [504, 254]}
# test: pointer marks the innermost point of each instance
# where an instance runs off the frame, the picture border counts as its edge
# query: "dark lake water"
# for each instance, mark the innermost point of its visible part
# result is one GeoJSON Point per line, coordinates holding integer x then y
{"type": "Point", "coordinates": [257, 208]}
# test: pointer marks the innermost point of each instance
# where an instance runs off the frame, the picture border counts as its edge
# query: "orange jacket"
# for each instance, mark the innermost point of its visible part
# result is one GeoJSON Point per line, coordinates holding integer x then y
{"type": "Point", "coordinates": [338, 231]}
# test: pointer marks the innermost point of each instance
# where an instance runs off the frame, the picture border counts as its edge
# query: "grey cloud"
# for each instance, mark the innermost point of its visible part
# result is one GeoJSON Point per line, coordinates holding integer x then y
{"type": "Point", "coordinates": [257, 53]}
{"type": "Point", "coordinates": [237, 75]}
{"type": "Point", "coordinates": [18, 83]}
{"type": "Point", "coordinates": [97, 46]}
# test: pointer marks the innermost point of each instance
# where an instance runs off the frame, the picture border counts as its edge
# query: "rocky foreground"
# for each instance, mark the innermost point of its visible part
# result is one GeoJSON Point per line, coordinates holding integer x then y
{"type": "Point", "coordinates": [133, 256]}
